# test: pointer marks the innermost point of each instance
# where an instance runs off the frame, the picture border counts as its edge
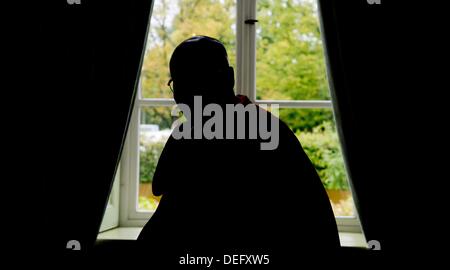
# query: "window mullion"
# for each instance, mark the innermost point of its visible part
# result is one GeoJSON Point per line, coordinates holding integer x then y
{"type": "Point", "coordinates": [246, 49]}
{"type": "Point", "coordinates": [300, 104]}
{"type": "Point", "coordinates": [251, 32]}
{"type": "Point", "coordinates": [240, 47]}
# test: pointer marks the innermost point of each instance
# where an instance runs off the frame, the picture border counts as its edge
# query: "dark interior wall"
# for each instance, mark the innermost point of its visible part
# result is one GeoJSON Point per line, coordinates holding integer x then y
{"type": "Point", "coordinates": [91, 57]}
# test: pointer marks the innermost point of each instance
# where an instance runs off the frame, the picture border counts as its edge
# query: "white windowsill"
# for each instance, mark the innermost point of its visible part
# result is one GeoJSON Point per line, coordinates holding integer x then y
{"type": "Point", "coordinates": [131, 233]}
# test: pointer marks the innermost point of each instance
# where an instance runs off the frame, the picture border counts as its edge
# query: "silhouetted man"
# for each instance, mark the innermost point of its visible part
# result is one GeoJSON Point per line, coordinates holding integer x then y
{"type": "Point", "coordinates": [231, 193]}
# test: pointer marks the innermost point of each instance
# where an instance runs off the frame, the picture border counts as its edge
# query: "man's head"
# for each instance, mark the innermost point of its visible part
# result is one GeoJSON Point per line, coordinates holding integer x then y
{"type": "Point", "coordinates": [199, 67]}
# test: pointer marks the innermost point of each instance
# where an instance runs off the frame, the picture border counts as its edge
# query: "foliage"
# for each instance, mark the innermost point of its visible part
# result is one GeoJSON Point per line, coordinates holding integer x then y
{"type": "Point", "coordinates": [322, 147]}
{"type": "Point", "coordinates": [290, 58]}
{"type": "Point", "coordinates": [160, 116]}
{"type": "Point", "coordinates": [305, 119]}
{"type": "Point", "coordinates": [148, 157]}
{"type": "Point", "coordinates": [213, 18]}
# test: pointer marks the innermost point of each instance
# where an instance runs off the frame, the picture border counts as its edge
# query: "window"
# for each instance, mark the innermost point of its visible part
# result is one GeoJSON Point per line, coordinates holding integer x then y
{"type": "Point", "coordinates": [278, 59]}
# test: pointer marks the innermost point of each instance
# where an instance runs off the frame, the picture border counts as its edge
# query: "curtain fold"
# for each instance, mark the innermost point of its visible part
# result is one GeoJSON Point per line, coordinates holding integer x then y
{"type": "Point", "coordinates": [354, 41]}
{"type": "Point", "coordinates": [92, 56]}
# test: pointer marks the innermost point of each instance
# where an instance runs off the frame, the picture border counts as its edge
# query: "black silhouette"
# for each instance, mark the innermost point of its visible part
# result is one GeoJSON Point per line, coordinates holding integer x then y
{"type": "Point", "coordinates": [224, 193]}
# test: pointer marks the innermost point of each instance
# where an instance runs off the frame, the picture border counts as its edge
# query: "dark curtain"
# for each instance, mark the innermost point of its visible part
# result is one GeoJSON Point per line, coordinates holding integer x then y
{"type": "Point", "coordinates": [360, 44]}
{"type": "Point", "coordinates": [91, 55]}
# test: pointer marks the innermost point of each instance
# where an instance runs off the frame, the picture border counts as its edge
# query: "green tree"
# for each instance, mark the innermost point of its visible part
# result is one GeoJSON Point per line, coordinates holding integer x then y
{"type": "Point", "coordinates": [323, 149]}
{"type": "Point", "coordinates": [148, 159]}
{"type": "Point", "coordinates": [290, 59]}
{"type": "Point", "coordinates": [213, 18]}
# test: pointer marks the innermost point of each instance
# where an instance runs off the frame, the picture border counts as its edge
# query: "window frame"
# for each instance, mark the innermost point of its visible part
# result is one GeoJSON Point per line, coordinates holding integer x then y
{"type": "Point", "coordinates": [111, 215]}
{"type": "Point", "coordinates": [129, 215]}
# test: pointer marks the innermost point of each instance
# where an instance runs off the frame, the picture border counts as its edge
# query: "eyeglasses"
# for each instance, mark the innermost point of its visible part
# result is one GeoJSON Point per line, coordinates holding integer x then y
{"type": "Point", "coordinates": [169, 83]}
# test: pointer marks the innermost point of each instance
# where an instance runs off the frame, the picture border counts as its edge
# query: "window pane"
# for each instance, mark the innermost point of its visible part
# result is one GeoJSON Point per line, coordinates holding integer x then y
{"type": "Point", "coordinates": [176, 20]}
{"type": "Point", "coordinates": [290, 61]}
{"type": "Point", "coordinates": [154, 131]}
{"type": "Point", "coordinates": [316, 131]}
